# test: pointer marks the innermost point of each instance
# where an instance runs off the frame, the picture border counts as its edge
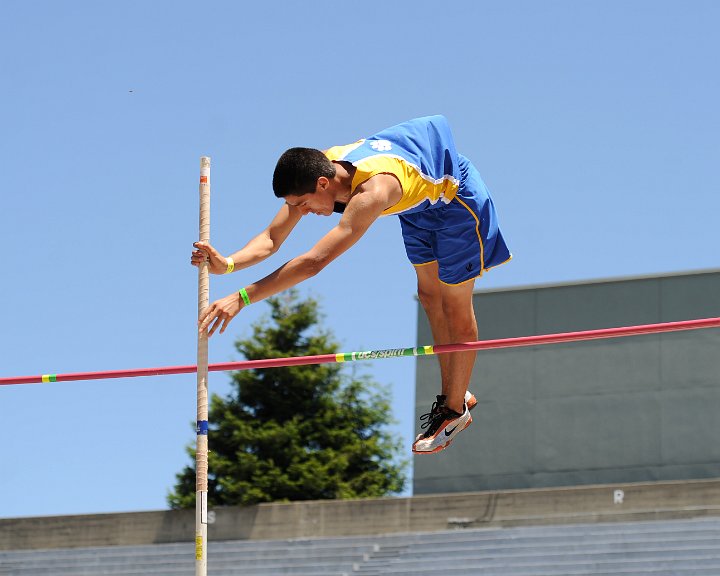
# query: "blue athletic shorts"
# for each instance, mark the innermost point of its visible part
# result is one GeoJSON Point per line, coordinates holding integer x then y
{"type": "Point", "coordinates": [463, 236]}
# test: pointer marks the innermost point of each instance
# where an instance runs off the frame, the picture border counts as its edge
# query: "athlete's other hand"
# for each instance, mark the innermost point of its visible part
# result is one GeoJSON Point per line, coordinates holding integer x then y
{"type": "Point", "coordinates": [217, 264]}
{"type": "Point", "coordinates": [219, 314]}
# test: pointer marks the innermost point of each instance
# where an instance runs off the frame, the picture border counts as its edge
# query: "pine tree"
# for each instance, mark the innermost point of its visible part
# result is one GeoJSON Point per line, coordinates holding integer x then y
{"type": "Point", "coordinates": [296, 433]}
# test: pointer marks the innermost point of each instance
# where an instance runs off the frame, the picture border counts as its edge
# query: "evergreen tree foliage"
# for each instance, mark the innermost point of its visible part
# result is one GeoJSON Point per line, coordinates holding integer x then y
{"type": "Point", "coordinates": [296, 433]}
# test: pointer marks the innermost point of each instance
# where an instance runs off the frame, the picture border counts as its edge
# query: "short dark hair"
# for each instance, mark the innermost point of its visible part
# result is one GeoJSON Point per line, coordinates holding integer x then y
{"type": "Point", "coordinates": [298, 169]}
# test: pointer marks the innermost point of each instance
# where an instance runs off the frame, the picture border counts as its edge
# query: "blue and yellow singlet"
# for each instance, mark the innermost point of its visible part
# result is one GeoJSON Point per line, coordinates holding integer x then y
{"type": "Point", "coordinates": [420, 153]}
{"type": "Point", "coordinates": [446, 212]}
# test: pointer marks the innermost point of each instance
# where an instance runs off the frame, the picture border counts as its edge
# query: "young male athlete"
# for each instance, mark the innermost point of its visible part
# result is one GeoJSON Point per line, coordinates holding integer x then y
{"type": "Point", "coordinates": [448, 223]}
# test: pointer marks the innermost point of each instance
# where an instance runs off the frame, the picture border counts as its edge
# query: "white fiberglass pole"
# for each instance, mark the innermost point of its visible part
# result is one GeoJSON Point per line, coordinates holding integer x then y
{"type": "Point", "coordinates": [201, 452]}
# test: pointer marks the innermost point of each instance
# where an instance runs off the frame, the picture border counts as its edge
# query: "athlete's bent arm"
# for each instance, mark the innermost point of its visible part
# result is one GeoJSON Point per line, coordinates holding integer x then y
{"type": "Point", "coordinates": [361, 212]}
{"type": "Point", "coordinates": [258, 249]}
{"type": "Point", "coordinates": [358, 217]}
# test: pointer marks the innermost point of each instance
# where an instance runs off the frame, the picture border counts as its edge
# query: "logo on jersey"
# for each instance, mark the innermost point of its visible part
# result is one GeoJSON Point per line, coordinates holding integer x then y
{"type": "Point", "coordinates": [381, 145]}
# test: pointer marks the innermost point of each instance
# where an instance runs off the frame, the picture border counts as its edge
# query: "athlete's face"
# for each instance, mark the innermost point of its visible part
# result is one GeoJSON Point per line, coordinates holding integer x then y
{"type": "Point", "coordinates": [321, 202]}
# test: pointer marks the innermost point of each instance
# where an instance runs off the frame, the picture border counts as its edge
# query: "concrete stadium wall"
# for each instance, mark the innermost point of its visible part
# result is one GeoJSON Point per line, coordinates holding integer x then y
{"type": "Point", "coordinates": [633, 409]}
{"type": "Point", "coordinates": [333, 518]}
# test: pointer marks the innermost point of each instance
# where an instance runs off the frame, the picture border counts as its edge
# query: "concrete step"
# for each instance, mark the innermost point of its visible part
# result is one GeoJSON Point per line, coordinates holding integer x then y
{"type": "Point", "coordinates": [678, 547]}
{"type": "Point", "coordinates": [150, 562]}
{"type": "Point", "coordinates": [646, 569]}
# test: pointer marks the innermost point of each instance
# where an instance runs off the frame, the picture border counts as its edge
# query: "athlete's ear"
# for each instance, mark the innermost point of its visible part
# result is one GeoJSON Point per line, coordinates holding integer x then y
{"type": "Point", "coordinates": [322, 183]}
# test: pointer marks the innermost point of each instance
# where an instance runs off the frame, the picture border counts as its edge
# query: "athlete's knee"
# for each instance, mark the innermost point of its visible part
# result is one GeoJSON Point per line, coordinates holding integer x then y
{"type": "Point", "coordinates": [430, 299]}
{"type": "Point", "coordinates": [458, 307]}
{"type": "Point", "coordinates": [461, 319]}
{"type": "Point", "coordinates": [462, 329]}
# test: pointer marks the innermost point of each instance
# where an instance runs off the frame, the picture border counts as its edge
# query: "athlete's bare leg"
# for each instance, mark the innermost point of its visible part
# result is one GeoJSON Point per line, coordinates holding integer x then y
{"type": "Point", "coordinates": [452, 319]}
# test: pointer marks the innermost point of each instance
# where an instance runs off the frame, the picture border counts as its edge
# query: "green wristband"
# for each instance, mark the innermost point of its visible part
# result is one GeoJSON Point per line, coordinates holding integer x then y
{"type": "Point", "coordinates": [244, 295]}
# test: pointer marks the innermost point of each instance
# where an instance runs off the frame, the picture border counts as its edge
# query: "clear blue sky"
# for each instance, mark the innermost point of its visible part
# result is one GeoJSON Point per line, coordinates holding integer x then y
{"type": "Point", "coordinates": [594, 123]}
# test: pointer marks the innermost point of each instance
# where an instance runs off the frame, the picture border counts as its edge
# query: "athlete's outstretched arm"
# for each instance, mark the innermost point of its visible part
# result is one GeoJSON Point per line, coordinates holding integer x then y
{"type": "Point", "coordinates": [362, 210]}
{"type": "Point", "coordinates": [258, 249]}
{"type": "Point", "coordinates": [356, 220]}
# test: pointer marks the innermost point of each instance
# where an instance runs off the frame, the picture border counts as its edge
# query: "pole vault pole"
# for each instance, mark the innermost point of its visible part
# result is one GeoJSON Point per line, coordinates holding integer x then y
{"type": "Point", "coordinates": [201, 451]}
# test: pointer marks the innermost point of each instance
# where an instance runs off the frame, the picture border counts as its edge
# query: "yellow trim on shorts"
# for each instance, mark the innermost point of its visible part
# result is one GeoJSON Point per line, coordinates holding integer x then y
{"type": "Point", "coordinates": [425, 263]}
{"type": "Point", "coordinates": [500, 264]}
{"type": "Point", "coordinates": [479, 275]}
{"type": "Point", "coordinates": [477, 231]}
{"type": "Point", "coordinates": [464, 281]}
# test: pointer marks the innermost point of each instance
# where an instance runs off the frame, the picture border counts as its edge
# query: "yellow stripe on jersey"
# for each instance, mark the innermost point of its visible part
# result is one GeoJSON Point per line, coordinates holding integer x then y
{"type": "Point", "coordinates": [416, 186]}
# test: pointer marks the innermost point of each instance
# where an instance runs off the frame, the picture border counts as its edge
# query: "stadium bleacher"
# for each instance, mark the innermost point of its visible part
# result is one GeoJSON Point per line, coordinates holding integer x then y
{"type": "Point", "coordinates": [660, 548]}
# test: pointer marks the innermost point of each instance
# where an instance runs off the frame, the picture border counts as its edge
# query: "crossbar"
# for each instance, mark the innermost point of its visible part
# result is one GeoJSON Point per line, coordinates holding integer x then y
{"type": "Point", "coordinates": [538, 340]}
